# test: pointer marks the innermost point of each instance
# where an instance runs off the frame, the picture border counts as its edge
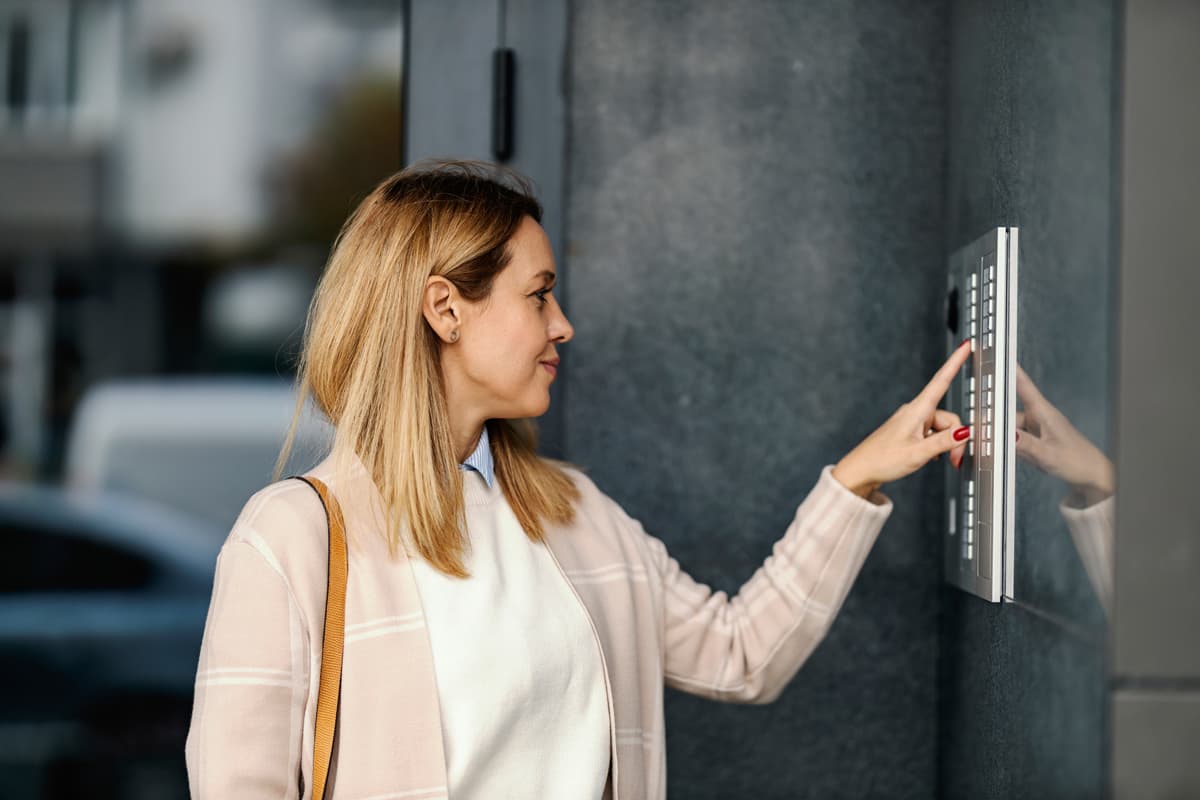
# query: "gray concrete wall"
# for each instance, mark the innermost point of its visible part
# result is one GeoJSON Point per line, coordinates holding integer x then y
{"type": "Point", "coordinates": [1156, 665]}
{"type": "Point", "coordinates": [755, 250]}
{"type": "Point", "coordinates": [1031, 112]}
{"type": "Point", "coordinates": [758, 202]}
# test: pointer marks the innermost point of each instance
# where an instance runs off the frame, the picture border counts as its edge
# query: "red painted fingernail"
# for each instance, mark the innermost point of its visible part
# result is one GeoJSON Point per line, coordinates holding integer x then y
{"type": "Point", "coordinates": [964, 341]}
{"type": "Point", "coordinates": [962, 433]}
{"type": "Point", "coordinates": [1018, 436]}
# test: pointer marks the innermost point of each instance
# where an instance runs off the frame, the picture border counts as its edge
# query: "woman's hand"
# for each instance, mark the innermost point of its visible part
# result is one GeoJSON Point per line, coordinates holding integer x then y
{"type": "Point", "coordinates": [916, 434]}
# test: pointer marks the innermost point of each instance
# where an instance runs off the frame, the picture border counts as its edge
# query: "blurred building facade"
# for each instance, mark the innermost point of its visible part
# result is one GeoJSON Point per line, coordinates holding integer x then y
{"type": "Point", "coordinates": [158, 160]}
{"type": "Point", "coordinates": [171, 175]}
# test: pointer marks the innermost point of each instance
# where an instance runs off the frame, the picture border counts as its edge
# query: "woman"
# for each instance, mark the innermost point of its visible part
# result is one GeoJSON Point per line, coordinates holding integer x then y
{"type": "Point", "coordinates": [509, 629]}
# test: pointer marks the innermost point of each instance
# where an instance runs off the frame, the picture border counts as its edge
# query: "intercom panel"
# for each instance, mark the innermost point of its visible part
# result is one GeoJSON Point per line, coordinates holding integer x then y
{"type": "Point", "coordinates": [981, 304]}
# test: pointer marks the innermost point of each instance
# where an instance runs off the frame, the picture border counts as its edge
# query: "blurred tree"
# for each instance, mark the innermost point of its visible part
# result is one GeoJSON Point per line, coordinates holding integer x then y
{"type": "Point", "coordinates": [355, 146]}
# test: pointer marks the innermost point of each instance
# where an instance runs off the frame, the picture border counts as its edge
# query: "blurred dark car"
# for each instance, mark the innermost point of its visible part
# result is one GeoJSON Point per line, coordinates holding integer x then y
{"type": "Point", "coordinates": [103, 599]}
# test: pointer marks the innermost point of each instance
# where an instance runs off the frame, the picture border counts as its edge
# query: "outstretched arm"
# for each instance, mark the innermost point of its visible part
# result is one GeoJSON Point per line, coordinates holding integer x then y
{"type": "Point", "coordinates": [746, 649]}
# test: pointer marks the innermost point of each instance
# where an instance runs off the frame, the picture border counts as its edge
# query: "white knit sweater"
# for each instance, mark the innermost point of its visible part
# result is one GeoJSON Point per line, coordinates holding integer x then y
{"type": "Point", "coordinates": [518, 670]}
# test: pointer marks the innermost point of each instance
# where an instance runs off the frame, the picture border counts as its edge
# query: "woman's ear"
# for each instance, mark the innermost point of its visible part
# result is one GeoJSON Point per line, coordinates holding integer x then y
{"type": "Point", "coordinates": [440, 307]}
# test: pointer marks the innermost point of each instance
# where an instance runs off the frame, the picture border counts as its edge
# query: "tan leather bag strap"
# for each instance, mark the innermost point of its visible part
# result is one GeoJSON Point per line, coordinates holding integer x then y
{"type": "Point", "coordinates": [331, 648]}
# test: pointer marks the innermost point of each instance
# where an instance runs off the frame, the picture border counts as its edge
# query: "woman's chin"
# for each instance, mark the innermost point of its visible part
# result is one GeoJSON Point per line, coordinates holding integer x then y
{"type": "Point", "coordinates": [542, 407]}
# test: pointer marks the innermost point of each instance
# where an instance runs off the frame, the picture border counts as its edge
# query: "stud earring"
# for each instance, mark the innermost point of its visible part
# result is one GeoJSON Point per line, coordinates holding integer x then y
{"type": "Point", "coordinates": [454, 335]}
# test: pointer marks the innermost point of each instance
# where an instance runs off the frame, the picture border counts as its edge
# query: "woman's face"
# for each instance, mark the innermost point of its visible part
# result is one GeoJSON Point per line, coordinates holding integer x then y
{"type": "Point", "coordinates": [496, 369]}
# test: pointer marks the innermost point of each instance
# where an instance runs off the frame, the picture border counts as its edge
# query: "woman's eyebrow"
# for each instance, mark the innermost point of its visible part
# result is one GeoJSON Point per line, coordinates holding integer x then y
{"type": "Point", "coordinates": [547, 274]}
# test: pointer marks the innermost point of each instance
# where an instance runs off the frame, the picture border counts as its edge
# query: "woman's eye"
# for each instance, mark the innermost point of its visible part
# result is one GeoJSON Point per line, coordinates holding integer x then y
{"type": "Point", "coordinates": [541, 295]}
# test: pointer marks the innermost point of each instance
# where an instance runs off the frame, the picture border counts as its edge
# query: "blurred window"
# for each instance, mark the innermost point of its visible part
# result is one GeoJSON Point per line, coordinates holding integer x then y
{"type": "Point", "coordinates": [17, 94]}
{"type": "Point", "coordinates": [47, 560]}
{"type": "Point", "coordinates": [38, 58]}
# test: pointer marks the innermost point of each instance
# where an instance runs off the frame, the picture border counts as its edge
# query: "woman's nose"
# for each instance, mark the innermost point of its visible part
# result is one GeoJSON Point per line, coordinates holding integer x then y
{"type": "Point", "coordinates": [563, 330]}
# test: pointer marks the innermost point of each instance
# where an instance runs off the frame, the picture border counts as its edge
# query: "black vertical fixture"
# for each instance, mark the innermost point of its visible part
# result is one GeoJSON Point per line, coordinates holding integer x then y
{"type": "Point", "coordinates": [405, 77]}
{"type": "Point", "coordinates": [17, 92]}
{"type": "Point", "coordinates": [503, 68]}
{"type": "Point", "coordinates": [71, 90]}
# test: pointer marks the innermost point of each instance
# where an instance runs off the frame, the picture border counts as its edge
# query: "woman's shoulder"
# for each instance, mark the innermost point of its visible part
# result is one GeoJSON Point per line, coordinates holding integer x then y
{"type": "Point", "coordinates": [284, 521]}
{"type": "Point", "coordinates": [590, 495]}
{"type": "Point", "coordinates": [594, 503]}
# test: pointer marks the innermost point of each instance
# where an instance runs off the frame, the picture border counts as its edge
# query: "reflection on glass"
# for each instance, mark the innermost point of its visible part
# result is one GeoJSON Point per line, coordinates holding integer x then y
{"type": "Point", "coordinates": [1049, 442]}
{"type": "Point", "coordinates": [1064, 477]}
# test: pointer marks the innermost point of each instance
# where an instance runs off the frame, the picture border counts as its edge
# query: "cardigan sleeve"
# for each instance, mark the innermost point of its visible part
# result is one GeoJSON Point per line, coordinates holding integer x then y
{"type": "Point", "coordinates": [746, 649]}
{"type": "Point", "coordinates": [1092, 531]}
{"type": "Point", "coordinates": [244, 737]}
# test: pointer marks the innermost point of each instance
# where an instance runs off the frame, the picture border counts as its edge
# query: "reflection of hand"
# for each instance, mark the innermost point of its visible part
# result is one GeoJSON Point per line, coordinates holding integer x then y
{"type": "Point", "coordinates": [916, 434]}
{"type": "Point", "coordinates": [1048, 439]}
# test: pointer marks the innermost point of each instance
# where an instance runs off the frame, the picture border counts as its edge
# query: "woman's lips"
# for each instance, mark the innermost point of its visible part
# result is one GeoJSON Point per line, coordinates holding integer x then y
{"type": "Point", "coordinates": [550, 367]}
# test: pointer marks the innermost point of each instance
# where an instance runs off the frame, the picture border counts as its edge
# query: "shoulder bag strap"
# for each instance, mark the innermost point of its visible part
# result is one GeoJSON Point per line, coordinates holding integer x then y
{"type": "Point", "coordinates": [331, 649]}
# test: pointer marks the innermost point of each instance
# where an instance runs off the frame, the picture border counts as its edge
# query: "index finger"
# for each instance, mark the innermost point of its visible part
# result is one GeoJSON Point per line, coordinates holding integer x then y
{"type": "Point", "coordinates": [936, 389]}
{"type": "Point", "coordinates": [1028, 391]}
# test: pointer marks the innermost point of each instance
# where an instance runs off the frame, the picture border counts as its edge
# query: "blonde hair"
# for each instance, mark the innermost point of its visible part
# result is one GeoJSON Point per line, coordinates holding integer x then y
{"type": "Point", "coordinates": [371, 362]}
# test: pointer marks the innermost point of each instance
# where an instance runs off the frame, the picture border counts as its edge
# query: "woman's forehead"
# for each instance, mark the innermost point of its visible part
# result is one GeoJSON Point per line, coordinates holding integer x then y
{"type": "Point", "coordinates": [530, 256]}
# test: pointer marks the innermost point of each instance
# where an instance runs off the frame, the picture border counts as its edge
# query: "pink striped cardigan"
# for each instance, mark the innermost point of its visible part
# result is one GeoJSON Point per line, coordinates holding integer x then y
{"type": "Point", "coordinates": [252, 725]}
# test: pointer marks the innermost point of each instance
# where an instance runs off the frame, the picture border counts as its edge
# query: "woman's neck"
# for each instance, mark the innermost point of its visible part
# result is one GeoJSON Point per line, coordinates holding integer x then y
{"type": "Point", "coordinates": [466, 439]}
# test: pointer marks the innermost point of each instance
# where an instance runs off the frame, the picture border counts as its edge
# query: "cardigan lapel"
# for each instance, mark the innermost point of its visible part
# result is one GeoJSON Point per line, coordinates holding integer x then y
{"type": "Point", "coordinates": [563, 549]}
{"type": "Point", "coordinates": [390, 714]}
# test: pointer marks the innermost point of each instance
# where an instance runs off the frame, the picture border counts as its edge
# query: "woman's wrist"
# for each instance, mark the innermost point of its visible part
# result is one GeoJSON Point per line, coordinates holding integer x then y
{"type": "Point", "coordinates": [845, 474]}
{"type": "Point", "coordinates": [1100, 487]}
